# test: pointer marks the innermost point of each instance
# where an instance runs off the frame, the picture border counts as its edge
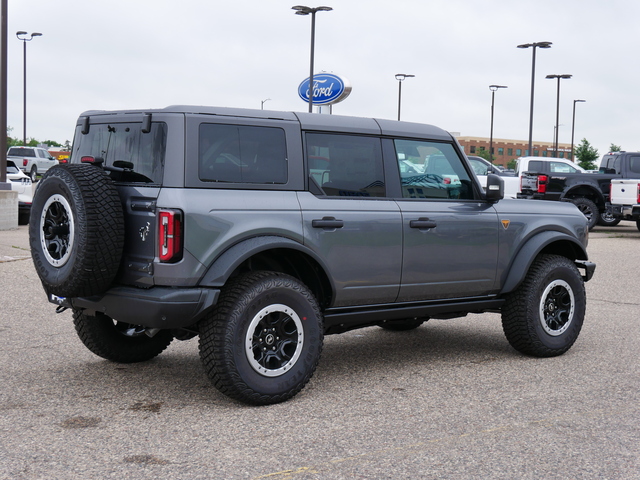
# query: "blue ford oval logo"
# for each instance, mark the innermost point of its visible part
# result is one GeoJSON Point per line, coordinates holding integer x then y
{"type": "Point", "coordinates": [327, 89]}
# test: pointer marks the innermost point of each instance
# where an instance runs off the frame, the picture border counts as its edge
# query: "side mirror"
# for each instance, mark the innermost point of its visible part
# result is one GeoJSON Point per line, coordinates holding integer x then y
{"type": "Point", "coordinates": [495, 188]}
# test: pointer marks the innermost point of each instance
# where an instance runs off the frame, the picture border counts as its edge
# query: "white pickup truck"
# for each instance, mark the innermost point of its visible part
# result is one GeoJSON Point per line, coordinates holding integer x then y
{"type": "Point", "coordinates": [624, 199]}
{"type": "Point", "coordinates": [33, 161]}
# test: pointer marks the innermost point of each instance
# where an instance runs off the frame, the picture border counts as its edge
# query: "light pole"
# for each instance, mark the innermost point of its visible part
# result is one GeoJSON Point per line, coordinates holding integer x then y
{"type": "Point", "coordinates": [400, 77]}
{"type": "Point", "coordinates": [262, 103]}
{"type": "Point", "coordinates": [22, 36]}
{"type": "Point", "coordinates": [559, 77]}
{"type": "Point", "coordinates": [573, 124]}
{"type": "Point", "coordinates": [493, 89]}
{"type": "Point", "coordinates": [302, 10]}
{"type": "Point", "coordinates": [533, 78]}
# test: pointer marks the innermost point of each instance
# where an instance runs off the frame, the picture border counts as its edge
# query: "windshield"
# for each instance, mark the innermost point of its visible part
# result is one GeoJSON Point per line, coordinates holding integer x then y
{"type": "Point", "coordinates": [136, 156]}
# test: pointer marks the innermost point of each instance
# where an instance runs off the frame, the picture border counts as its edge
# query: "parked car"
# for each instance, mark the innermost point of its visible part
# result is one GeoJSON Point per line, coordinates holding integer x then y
{"type": "Point", "coordinates": [33, 161]}
{"type": "Point", "coordinates": [482, 168]}
{"type": "Point", "coordinates": [262, 231]}
{"type": "Point", "coordinates": [22, 184]}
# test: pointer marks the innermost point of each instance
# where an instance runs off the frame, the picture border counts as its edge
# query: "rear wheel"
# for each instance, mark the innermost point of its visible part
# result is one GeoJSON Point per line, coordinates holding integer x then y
{"type": "Point", "coordinates": [117, 341]}
{"type": "Point", "coordinates": [262, 343]}
{"type": "Point", "coordinates": [608, 220]}
{"type": "Point", "coordinates": [543, 317]}
{"type": "Point", "coordinates": [33, 174]}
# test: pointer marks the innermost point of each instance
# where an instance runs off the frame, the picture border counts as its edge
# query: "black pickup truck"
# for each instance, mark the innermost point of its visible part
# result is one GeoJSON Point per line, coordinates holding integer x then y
{"type": "Point", "coordinates": [588, 191]}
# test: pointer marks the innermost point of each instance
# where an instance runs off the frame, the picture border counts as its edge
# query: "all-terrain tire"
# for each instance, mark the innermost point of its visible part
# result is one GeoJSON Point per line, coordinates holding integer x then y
{"type": "Point", "coordinates": [76, 230]}
{"type": "Point", "coordinates": [117, 341]}
{"type": "Point", "coordinates": [262, 342]}
{"type": "Point", "coordinates": [589, 209]}
{"type": "Point", "coordinates": [544, 316]}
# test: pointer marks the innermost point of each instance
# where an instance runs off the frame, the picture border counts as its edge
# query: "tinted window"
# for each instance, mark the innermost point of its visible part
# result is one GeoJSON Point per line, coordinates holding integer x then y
{"type": "Point", "coordinates": [442, 175]}
{"type": "Point", "coordinates": [557, 167]}
{"type": "Point", "coordinates": [136, 156]}
{"type": "Point", "coordinates": [22, 152]}
{"type": "Point", "coordinates": [242, 154]}
{"type": "Point", "coordinates": [346, 165]}
{"type": "Point", "coordinates": [634, 164]}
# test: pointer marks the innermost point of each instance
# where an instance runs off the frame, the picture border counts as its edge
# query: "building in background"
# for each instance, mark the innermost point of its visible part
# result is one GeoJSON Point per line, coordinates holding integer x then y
{"type": "Point", "coordinates": [506, 150]}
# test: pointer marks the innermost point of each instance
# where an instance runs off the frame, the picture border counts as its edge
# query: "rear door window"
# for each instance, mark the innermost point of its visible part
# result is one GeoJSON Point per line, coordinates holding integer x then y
{"type": "Point", "coordinates": [346, 165]}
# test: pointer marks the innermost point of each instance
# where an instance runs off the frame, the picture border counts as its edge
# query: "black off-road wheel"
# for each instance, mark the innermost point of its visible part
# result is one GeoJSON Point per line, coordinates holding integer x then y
{"type": "Point", "coordinates": [117, 341]}
{"type": "Point", "coordinates": [262, 343]}
{"type": "Point", "coordinates": [76, 230]}
{"type": "Point", "coordinates": [589, 209]}
{"type": "Point", "coordinates": [544, 316]}
{"type": "Point", "coordinates": [403, 325]}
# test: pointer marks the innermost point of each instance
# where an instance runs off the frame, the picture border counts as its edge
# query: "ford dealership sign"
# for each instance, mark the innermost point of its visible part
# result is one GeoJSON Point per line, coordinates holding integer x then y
{"type": "Point", "coordinates": [327, 89]}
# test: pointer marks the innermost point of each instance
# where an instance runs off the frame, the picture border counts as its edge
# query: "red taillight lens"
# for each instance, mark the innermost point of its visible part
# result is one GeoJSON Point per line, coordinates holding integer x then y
{"type": "Point", "coordinates": [638, 194]}
{"type": "Point", "coordinates": [542, 183]}
{"type": "Point", "coordinates": [170, 236]}
{"type": "Point", "coordinates": [24, 162]}
{"type": "Point", "coordinates": [447, 181]}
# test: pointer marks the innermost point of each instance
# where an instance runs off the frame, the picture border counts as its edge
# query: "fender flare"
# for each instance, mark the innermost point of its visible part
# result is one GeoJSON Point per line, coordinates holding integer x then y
{"type": "Point", "coordinates": [569, 195]}
{"type": "Point", "coordinates": [225, 264]}
{"type": "Point", "coordinates": [530, 250]}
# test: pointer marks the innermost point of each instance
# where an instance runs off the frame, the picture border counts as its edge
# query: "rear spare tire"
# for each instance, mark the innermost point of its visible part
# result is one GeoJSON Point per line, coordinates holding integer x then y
{"type": "Point", "coordinates": [76, 230]}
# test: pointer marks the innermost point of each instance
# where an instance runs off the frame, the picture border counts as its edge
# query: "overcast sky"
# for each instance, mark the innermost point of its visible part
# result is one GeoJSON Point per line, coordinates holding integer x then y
{"type": "Point", "coordinates": [126, 54]}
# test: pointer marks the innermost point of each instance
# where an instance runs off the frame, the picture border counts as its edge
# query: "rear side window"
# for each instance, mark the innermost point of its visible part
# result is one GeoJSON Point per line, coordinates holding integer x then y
{"type": "Point", "coordinates": [634, 164]}
{"type": "Point", "coordinates": [242, 154]}
{"type": "Point", "coordinates": [346, 165]}
{"type": "Point", "coordinates": [431, 170]}
{"type": "Point", "coordinates": [136, 156]}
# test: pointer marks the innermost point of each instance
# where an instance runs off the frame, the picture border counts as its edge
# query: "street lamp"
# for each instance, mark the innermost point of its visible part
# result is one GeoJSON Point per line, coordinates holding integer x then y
{"type": "Point", "coordinates": [493, 89]}
{"type": "Point", "coordinates": [302, 10]}
{"type": "Point", "coordinates": [573, 124]}
{"type": "Point", "coordinates": [262, 103]}
{"type": "Point", "coordinates": [559, 77]}
{"type": "Point", "coordinates": [400, 77]}
{"type": "Point", "coordinates": [533, 77]}
{"type": "Point", "coordinates": [22, 36]}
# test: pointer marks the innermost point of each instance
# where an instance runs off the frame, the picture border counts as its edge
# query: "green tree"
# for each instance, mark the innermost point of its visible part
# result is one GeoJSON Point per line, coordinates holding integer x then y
{"type": "Point", "coordinates": [483, 153]}
{"type": "Point", "coordinates": [512, 164]}
{"type": "Point", "coordinates": [586, 155]}
{"type": "Point", "coordinates": [614, 148]}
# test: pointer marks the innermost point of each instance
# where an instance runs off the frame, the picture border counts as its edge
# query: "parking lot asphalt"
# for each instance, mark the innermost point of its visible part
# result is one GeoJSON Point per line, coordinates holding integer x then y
{"type": "Point", "coordinates": [449, 400]}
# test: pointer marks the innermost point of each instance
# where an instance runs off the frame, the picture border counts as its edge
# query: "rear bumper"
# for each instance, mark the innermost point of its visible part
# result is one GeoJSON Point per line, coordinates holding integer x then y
{"type": "Point", "coordinates": [626, 212]}
{"type": "Point", "coordinates": [157, 307]}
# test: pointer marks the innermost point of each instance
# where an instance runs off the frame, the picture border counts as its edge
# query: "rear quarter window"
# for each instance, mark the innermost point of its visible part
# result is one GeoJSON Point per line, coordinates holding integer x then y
{"type": "Point", "coordinates": [242, 154]}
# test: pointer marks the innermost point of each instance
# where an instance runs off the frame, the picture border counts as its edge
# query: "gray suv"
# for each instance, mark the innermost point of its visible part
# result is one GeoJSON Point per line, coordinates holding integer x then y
{"type": "Point", "coordinates": [262, 231]}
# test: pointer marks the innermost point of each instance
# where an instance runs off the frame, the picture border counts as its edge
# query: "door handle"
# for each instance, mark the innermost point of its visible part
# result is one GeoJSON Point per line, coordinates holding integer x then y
{"type": "Point", "coordinates": [327, 222]}
{"type": "Point", "coordinates": [422, 223]}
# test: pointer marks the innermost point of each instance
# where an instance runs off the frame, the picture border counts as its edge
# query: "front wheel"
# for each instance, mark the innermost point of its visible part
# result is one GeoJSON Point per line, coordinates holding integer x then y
{"type": "Point", "coordinates": [543, 317]}
{"type": "Point", "coordinates": [262, 343]}
{"type": "Point", "coordinates": [33, 174]}
{"type": "Point", "coordinates": [117, 341]}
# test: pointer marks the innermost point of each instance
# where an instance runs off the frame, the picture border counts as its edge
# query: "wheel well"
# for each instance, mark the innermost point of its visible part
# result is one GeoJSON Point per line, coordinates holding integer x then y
{"type": "Point", "coordinates": [294, 263]}
{"type": "Point", "coordinates": [564, 248]}
{"type": "Point", "coordinates": [587, 192]}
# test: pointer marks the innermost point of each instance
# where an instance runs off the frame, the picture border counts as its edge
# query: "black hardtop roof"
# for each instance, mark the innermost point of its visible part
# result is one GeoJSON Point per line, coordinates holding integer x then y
{"type": "Point", "coordinates": [307, 121]}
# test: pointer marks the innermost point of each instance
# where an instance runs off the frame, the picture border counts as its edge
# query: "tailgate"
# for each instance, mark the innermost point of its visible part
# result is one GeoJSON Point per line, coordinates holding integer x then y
{"type": "Point", "coordinates": [624, 191]}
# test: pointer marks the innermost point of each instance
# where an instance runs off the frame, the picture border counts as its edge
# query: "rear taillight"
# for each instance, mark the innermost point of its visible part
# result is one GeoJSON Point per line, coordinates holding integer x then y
{"type": "Point", "coordinates": [24, 162]}
{"type": "Point", "coordinates": [542, 183]}
{"type": "Point", "coordinates": [170, 236]}
{"type": "Point", "coordinates": [447, 181]}
{"type": "Point", "coordinates": [638, 194]}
